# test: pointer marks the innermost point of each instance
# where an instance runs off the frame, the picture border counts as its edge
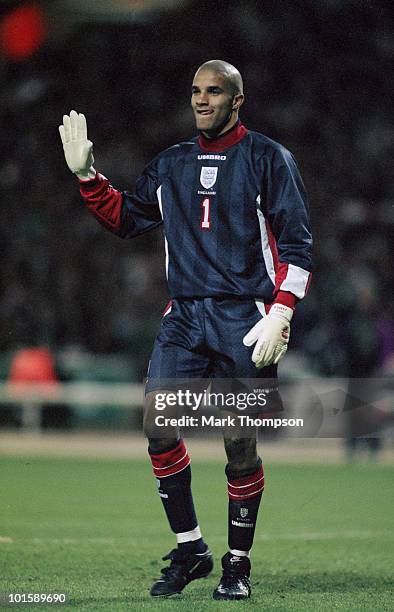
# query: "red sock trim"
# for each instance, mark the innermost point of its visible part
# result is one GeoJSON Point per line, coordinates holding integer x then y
{"type": "Point", "coordinates": [171, 462]}
{"type": "Point", "coordinates": [246, 487]}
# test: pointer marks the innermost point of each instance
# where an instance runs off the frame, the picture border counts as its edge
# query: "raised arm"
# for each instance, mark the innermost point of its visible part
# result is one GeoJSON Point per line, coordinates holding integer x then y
{"type": "Point", "coordinates": [124, 213]}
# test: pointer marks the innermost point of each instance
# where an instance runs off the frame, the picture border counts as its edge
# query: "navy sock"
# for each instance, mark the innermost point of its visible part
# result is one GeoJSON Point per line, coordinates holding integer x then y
{"type": "Point", "coordinates": [173, 476]}
{"type": "Point", "coordinates": [244, 491]}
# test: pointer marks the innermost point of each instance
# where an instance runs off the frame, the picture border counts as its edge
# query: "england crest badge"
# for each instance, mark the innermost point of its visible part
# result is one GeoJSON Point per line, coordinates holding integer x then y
{"type": "Point", "coordinates": [244, 512]}
{"type": "Point", "coordinates": [208, 176]}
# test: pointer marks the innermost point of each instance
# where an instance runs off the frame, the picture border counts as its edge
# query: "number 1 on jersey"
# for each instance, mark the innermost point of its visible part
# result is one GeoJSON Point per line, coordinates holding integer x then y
{"type": "Point", "coordinates": [206, 214]}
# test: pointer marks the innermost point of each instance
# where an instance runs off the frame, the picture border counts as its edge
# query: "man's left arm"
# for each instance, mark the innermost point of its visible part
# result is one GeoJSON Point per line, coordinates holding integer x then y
{"type": "Point", "coordinates": [285, 208]}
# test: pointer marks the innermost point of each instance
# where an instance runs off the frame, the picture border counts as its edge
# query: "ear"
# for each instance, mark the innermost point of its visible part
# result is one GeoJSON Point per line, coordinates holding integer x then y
{"type": "Point", "coordinates": [238, 101]}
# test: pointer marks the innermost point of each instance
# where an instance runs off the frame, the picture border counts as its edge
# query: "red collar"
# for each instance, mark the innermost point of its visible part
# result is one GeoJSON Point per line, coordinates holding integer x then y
{"type": "Point", "coordinates": [220, 143]}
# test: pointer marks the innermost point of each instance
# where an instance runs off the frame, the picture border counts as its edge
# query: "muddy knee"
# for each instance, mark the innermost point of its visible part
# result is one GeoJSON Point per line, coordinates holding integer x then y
{"type": "Point", "coordinates": [160, 434]}
{"type": "Point", "coordinates": [241, 453]}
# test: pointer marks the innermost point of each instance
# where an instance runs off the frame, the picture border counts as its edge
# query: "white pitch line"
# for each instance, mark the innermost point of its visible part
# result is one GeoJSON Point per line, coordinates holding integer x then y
{"type": "Point", "coordinates": [73, 540]}
{"type": "Point", "coordinates": [328, 535]}
{"type": "Point", "coordinates": [267, 537]}
{"type": "Point", "coordinates": [324, 535]}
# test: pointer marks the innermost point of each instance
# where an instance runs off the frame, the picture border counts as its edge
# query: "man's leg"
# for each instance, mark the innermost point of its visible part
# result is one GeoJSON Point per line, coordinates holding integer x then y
{"type": "Point", "coordinates": [245, 478]}
{"type": "Point", "coordinates": [171, 466]}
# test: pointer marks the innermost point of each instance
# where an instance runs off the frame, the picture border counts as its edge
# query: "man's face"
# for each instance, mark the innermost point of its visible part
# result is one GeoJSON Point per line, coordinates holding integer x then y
{"type": "Point", "coordinates": [212, 102]}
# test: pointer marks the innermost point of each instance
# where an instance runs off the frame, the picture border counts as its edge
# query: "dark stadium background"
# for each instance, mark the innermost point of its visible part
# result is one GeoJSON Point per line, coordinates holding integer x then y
{"type": "Point", "coordinates": [317, 79]}
{"type": "Point", "coordinates": [79, 512]}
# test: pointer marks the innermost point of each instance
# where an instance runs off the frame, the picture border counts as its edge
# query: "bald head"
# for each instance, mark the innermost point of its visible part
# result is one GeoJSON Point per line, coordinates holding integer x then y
{"type": "Point", "coordinates": [216, 97]}
{"type": "Point", "coordinates": [228, 71]}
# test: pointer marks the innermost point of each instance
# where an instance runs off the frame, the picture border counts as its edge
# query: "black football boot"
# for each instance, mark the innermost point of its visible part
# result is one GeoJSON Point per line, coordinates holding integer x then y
{"type": "Point", "coordinates": [183, 569]}
{"type": "Point", "coordinates": [235, 583]}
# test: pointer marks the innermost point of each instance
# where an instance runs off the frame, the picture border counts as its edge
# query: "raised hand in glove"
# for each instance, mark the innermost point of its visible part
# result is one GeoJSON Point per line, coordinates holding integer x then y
{"type": "Point", "coordinates": [271, 336]}
{"type": "Point", "coordinates": [78, 150]}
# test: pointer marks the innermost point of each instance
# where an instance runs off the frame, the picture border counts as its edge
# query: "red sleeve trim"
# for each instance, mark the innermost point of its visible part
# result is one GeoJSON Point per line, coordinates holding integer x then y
{"type": "Point", "coordinates": [286, 298]}
{"type": "Point", "coordinates": [89, 180]}
{"type": "Point", "coordinates": [103, 201]}
{"type": "Point", "coordinates": [86, 187]}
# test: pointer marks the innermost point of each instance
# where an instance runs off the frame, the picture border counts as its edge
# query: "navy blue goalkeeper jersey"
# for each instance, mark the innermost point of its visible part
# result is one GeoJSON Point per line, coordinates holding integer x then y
{"type": "Point", "coordinates": [234, 211]}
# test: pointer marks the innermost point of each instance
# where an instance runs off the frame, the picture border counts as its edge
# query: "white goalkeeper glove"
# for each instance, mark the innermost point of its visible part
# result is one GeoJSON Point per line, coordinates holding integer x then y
{"type": "Point", "coordinates": [78, 150]}
{"type": "Point", "coordinates": [271, 336]}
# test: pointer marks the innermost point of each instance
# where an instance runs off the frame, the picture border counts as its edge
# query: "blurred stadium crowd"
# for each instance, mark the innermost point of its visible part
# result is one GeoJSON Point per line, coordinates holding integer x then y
{"type": "Point", "coordinates": [317, 80]}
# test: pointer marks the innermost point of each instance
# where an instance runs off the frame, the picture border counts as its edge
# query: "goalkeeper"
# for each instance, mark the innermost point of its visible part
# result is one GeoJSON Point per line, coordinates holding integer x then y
{"type": "Point", "coordinates": [237, 258]}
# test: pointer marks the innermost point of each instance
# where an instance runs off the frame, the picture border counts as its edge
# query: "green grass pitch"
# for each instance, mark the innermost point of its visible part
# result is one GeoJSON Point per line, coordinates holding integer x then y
{"type": "Point", "coordinates": [96, 530]}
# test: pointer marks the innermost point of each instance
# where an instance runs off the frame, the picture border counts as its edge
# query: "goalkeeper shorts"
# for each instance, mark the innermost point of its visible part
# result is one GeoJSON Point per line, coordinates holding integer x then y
{"type": "Point", "coordinates": [200, 343]}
